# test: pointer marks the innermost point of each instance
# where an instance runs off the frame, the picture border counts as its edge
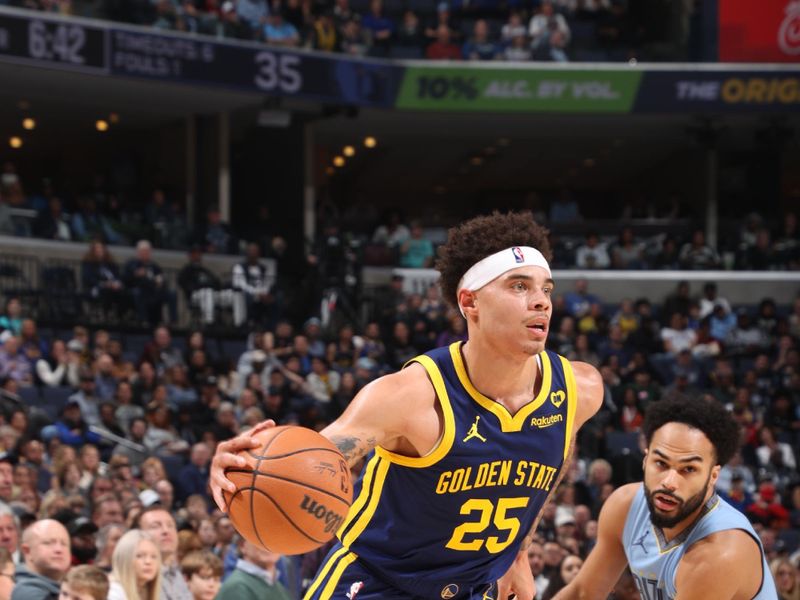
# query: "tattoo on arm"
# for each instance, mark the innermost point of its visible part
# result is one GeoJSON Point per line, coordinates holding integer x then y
{"type": "Point", "coordinates": [353, 448]}
{"type": "Point", "coordinates": [564, 469]}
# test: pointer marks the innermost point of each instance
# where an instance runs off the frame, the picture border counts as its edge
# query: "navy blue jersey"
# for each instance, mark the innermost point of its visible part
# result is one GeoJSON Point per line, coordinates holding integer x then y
{"type": "Point", "coordinates": [453, 520]}
{"type": "Point", "coordinates": [654, 561]}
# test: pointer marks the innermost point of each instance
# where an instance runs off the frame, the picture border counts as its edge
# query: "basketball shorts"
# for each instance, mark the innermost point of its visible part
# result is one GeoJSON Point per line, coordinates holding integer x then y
{"type": "Point", "coordinates": [343, 576]}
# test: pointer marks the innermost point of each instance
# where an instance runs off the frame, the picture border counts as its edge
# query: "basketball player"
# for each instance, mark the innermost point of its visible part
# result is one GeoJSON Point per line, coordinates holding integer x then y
{"type": "Point", "coordinates": [679, 538]}
{"type": "Point", "coordinates": [465, 443]}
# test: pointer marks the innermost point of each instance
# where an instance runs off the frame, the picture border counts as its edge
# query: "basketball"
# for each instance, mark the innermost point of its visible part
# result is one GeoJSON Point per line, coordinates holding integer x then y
{"type": "Point", "coordinates": [294, 492]}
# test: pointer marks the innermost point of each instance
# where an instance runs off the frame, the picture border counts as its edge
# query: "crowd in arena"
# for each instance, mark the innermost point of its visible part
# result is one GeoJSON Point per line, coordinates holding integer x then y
{"type": "Point", "coordinates": [111, 458]}
{"type": "Point", "coordinates": [512, 30]}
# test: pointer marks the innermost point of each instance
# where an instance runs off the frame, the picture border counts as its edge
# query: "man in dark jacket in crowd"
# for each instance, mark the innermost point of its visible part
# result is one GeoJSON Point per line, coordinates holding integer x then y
{"type": "Point", "coordinates": [46, 550]}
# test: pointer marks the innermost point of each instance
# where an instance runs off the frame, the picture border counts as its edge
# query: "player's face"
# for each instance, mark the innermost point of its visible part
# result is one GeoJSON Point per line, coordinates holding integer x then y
{"type": "Point", "coordinates": [516, 307]}
{"type": "Point", "coordinates": [679, 474]}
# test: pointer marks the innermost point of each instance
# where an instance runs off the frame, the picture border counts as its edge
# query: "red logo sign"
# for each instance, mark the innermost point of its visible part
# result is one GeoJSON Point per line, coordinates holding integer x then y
{"type": "Point", "coordinates": [770, 33]}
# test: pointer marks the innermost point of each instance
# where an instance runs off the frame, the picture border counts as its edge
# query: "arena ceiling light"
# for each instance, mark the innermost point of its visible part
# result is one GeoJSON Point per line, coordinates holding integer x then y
{"type": "Point", "coordinates": [101, 125]}
{"type": "Point", "coordinates": [113, 118]}
{"type": "Point", "coordinates": [28, 123]}
{"type": "Point", "coordinates": [370, 142]}
{"type": "Point", "coordinates": [15, 142]}
{"type": "Point", "coordinates": [348, 151]}
{"type": "Point", "coordinates": [338, 161]}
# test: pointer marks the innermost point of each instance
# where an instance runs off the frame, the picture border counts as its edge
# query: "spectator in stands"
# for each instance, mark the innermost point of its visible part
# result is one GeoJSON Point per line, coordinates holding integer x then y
{"type": "Point", "coordinates": [252, 279]}
{"type": "Point", "coordinates": [518, 50]}
{"type": "Point", "coordinates": [324, 33]}
{"type": "Point", "coordinates": [592, 254]}
{"type": "Point", "coordinates": [106, 541]}
{"type": "Point", "coordinates": [544, 23]}
{"type": "Point", "coordinates": [409, 33]}
{"type": "Point", "coordinates": [145, 279]}
{"type": "Point", "coordinates": [354, 42]}
{"type": "Point", "coordinates": [255, 576]}
{"type": "Point", "coordinates": [579, 301]}
{"type": "Point", "coordinates": [52, 223]}
{"type": "Point", "coordinates": [678, 337]}
{"type": "Point", "coordinates": [762, 255]}
{"type": "Point", "coordinates": [215, 236]}
{"type": "Point", "coordinates": [253, 15]}
{"type": "Point", "coordinates": [627, 252]}
{"type": "Point", "coordinates": [380, 28]}
{"type": "Point", "coordinates": [193, 477]}
{"type": "Point", "coordinates": [203, 573]}
{"type": "Point", "coordinates": [86, 397]}
{"type": "Point", "coordinates": [417, 251]}
{"type": "Point", "coordinates": [59, 368]}
{"type": "Point", "coordinates": [13, 364]}
{"type": "Point", "coordinates": [668, 257]}
{"type": "Point", "coordinates": [480, 46]}
{"type": "Point", "coordinates": [787, 242]}
{"type": "Point", "coordinates": [787, 578]}
{"type": "Point", "coordinates": [11, 320]}
{"type": "Point", "coordinates": [513, 28]}
{"type": "Point", "coordinates": [202, 287]}
{"type": "Point", "coordinates": [160, 351]}
{"type": "Point", "coordinates": [697, 255]}
{"type": "Point", "coordinates": [745, 339]}
{"type": "Point", "coordinates": [101, 279]}
{"type": "Point", "coordinates": [137, 568]}
{"type": "Point", "coordinates": [88, 223]}
{"type": "Point", "coordinates": [85, 582]}
{"type": "Point", "coordinates": [443, 48]}
{"type": "Point", "coordinates": [280, 32]}
{"type": "Point", "coordinates": [70, 428]}
{"type": "Point", "coordinates": [443, 17]}
{"type": "Point", "coordinates": [46, 552]}
{"type": "Point", "coordinates": [343, 14]}
{"type": "Point", "coordinates": [9, 532]}
{"type": "Point", "coordinates": [710, 300]}
{"type": "Point", "coordinates": [565, 208]}
{"type": "Point", "coordinates": [158, 521]}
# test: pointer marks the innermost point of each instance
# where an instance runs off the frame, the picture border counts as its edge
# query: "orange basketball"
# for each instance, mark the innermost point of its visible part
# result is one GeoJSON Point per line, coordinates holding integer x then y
{"type": "Point", "coordinates": [294, 492]}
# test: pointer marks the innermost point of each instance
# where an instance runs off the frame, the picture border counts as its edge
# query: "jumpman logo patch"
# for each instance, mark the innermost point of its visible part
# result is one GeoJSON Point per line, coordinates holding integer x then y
{"type": "Point", "coordinates": [473, 431]}
{"type": "Point", "coordinates": [640, 542]}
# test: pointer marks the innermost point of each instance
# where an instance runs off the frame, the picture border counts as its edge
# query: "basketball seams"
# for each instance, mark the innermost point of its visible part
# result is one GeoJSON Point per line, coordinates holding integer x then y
{"type": "Point", "coordinates": [253, 487]}
{"type": "Point", "coordinates": [295, 481]}
{"type": "Point", "coordinates": [293, 452]}
{"type": "Point", "coordinates": [286, 516]}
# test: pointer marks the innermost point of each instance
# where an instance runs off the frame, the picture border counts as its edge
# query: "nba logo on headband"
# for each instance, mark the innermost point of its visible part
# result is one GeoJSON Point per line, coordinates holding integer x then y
{"type": "Point", "coordinates": [517, 252]}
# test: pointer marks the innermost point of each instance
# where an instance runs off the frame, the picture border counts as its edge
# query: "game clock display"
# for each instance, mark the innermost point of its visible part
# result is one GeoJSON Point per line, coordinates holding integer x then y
{"type": "Point", "coordinates": [68, 43]}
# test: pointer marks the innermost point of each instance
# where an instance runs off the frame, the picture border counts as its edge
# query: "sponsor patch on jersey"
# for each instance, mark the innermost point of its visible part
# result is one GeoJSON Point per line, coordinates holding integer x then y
{"type": "Point", "coordinates": [542, 422]}
{"type": "Point", "coordinates": [450, 590]}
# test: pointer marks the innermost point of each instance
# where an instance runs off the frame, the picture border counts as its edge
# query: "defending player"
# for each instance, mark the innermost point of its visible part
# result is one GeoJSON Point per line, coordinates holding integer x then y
{"type": "Point", "coordinates": [679, 538]}
{"type": "Point", "coordinates": [466, 443]}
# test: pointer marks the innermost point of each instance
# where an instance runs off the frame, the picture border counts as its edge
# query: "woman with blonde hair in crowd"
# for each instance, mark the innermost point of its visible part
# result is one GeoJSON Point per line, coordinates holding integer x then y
{"type": "Point", "coordinates": [787, 579]}
{"type": "Point", "coordinates": [135, 568]}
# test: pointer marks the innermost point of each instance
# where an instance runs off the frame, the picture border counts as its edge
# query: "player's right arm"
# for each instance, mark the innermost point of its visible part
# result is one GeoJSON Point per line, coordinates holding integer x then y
{"type": "Point", "coordinates": [396, 411]}
{"type": "Point", "coordinates": [607, 560]}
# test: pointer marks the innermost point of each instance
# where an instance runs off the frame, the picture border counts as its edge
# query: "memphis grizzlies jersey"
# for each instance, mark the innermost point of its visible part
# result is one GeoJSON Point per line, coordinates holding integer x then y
{"type": "Point", "coordinates": [654, 561]}
{"type": "Point", "coordinates": [450, 521]}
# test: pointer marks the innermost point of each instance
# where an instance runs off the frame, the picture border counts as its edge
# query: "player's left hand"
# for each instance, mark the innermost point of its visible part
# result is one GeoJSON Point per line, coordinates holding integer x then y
{"type": "Point", "coordinates": [518, 580]}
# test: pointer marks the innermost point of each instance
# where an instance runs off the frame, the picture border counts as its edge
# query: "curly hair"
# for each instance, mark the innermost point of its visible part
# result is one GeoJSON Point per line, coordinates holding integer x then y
{"type": "Point", "coordinates": [480, 237]}
{"type": "Point", "coordinates": [709, 416]}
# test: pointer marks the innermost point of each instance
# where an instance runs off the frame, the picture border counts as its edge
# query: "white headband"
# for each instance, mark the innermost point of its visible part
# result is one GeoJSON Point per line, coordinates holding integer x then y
{"type": "Point", "coordinates": [494, 265]}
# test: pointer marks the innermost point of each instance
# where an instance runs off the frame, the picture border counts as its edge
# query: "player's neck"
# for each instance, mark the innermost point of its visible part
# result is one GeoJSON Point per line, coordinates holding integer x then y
{"type": "Point", "coordinates": [506, 378]}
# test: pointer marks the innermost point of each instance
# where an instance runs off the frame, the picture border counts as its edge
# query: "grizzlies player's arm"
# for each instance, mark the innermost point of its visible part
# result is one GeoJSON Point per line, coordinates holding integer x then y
{"type": "Point", "coordinates": [589, 384]}
{"type": "Point", "coordinates": [725, 565]}
{"type": "Point", "coordinates": [398, 412]}
{"type": "Point", "coordinates": [607, 560]}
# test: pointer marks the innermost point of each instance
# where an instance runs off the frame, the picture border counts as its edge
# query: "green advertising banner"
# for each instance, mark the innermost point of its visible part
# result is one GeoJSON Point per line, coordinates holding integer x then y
{"type": "Point", "coordinates": [513, 89]}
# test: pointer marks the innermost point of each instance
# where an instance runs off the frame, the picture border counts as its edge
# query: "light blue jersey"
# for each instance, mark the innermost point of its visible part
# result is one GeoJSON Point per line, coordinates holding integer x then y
{"type": "Point", "coordinates": [654, 561]}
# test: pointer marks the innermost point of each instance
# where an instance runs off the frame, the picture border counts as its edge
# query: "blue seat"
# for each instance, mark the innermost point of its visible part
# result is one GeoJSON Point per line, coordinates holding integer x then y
{"type": "Point", "coordinates": [53, 400]}
{"type": "Point", "coordinates": [30, 395]}
{"type": "Point", "coordinates": [620, 443]}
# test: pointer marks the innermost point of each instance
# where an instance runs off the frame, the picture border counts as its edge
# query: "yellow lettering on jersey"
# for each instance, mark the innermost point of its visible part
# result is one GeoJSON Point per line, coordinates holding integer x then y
{"type": "Point", "coordinates": [551, 473]}
{"type": "Point", "coordinates": [527, 473]}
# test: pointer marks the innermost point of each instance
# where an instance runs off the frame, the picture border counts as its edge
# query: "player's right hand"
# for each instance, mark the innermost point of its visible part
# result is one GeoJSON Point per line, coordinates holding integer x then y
{"type": "Point", "coordinates": [226, 457]}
